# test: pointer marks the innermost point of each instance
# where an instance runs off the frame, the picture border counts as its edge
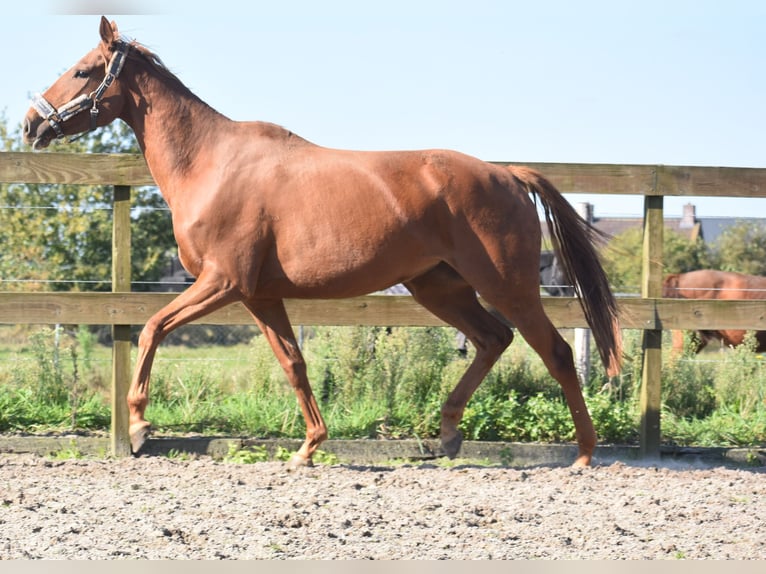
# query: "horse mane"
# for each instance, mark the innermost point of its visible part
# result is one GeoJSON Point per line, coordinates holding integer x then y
{"type": "Point", "coordinates": [143, 54]}
{"type": "Point", "coordinates": [151, 58]}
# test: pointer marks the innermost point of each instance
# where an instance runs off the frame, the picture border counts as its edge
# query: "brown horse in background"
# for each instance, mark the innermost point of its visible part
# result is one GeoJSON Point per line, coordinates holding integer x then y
{"type": "Point", "coordinates": [712, 284]}
{"type": "Point", "coordinates": [260, 215]}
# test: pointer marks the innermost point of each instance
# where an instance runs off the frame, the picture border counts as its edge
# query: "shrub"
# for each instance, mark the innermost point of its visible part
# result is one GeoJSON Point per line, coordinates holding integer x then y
{"type": "Point", "coordinates": [688, 386]}
{"type": "Point", "coordinates": [377, 382]}
{"type": "Point", "coordinates": [741, 380]}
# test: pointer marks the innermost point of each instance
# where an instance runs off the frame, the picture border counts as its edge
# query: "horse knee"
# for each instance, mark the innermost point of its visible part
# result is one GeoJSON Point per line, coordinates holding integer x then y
{"type": "Point", "coordinates": [151, 335]}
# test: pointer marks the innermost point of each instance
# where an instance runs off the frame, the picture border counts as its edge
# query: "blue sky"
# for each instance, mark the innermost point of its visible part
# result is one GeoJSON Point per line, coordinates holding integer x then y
{"type": "Point", "coordinates": [645, 82]}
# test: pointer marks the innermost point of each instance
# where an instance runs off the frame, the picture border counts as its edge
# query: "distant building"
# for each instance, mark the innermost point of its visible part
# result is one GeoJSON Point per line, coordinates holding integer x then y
{"type": "Point", "coordinates": [688, 225]}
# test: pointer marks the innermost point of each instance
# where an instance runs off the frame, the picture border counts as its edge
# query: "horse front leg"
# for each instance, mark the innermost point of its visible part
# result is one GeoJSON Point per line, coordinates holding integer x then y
{"type": "Point", "coordinates": [207, 294]}
{"type": "Point", "coordinates": [273, 321]}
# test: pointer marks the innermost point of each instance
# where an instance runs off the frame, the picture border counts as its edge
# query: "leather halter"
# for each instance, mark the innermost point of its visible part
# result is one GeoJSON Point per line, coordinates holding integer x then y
{"type": "Point", "coordinates": [56, 117]}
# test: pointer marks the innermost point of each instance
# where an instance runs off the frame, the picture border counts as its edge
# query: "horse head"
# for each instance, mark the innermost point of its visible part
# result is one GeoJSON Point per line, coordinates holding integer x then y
{"type": "Point", "coordinates": [91, 84]}
{"type": "Point", "coordinates": [670, 286]}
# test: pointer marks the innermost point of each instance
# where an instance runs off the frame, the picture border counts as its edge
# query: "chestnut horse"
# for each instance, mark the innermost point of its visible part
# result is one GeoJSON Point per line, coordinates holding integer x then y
{"type": "Point", "coordinates": [260, 215]}
{"type": "Point", "coordinates": [712, 284]}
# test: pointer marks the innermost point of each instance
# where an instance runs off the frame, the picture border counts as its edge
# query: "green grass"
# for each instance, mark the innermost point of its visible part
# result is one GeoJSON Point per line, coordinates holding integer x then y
{"type": "Point", "coordinates": [374, 383]}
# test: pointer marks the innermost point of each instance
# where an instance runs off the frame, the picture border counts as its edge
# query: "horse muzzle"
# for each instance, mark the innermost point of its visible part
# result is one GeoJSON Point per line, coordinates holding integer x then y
{"type": "Point", "coordinates": [36, 131]}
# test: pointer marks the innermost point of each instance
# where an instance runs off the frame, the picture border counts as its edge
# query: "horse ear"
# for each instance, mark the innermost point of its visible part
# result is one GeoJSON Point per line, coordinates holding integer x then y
{"type": "Point", "coordinates": [108, 31]}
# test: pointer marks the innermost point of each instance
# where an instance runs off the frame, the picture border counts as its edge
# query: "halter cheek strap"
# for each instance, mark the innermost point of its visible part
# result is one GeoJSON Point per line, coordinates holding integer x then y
{"type": "Point", "coordinates": [56, 117]}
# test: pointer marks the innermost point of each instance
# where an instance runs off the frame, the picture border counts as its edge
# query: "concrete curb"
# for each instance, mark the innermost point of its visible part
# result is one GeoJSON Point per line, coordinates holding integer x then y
{"type": "Point", "coordinates": [372, 452]}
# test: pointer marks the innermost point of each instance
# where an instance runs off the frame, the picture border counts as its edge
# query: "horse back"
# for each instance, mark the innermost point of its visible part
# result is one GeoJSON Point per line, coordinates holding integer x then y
{"type": "Point", "coordinates": [714, 284]}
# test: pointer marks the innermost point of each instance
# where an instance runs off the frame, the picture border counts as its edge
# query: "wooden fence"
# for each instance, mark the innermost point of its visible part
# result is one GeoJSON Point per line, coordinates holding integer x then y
{"type": "Point", "coordinates": [650, 312]}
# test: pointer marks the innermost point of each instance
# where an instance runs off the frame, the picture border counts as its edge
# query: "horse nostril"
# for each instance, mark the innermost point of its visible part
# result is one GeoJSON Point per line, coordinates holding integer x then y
{"type": "Point", "coordinates": [27, 130]}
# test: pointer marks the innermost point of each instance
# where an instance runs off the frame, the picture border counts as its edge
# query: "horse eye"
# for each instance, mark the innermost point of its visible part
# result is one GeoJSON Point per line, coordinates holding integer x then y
{"type": "Point", "coordinates": [81, 74]}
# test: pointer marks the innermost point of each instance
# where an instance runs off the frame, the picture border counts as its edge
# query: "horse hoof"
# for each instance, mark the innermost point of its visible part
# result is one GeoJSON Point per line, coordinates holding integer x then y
{"type": "Point", "coordinates": [138, 436]}
{"type": "Point", "coordinates": [297, 462]}
{"type": "Point", "coordinates": [452, 446]}
{"type": "Point", "coordinates": [582, 461]}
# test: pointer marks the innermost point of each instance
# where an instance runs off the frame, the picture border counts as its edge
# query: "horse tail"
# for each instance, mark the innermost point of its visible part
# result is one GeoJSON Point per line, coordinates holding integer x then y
{"type": "Point", "coordinates": [574, 241]}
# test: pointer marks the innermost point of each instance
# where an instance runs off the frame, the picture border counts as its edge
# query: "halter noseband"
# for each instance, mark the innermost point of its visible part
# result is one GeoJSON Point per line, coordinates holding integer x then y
{"type": "Point", "coordinates": [82, 102]}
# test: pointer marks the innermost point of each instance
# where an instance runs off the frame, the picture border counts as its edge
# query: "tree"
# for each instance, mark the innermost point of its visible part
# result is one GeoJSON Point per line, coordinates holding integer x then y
{"type": "Point", "coordinates": [742, 248]}
{"type": "Point", "coordinates": [622, 257]}
{"type": "Point", "coordinates": [59, 234]}
{"type": "Point", "coordinates": [680, 255]}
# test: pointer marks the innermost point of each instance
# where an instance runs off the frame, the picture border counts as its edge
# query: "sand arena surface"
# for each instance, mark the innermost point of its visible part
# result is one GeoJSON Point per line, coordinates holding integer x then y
{"type": "Point", "coordinates": [156, 507]}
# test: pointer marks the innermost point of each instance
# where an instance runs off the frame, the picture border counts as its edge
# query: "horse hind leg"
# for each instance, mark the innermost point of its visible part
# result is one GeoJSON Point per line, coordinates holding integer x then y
{"type": "Point", "coordinates": [529, 318]}
{"type": "Point", "coordinates": [445, 294]}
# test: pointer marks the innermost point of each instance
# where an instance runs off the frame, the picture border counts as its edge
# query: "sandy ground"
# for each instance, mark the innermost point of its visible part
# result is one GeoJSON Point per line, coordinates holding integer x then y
{"type": "Point", "coordinates": [156, 507]}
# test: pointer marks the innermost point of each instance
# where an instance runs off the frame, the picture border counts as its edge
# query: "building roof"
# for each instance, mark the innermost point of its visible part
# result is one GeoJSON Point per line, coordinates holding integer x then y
{"type": "Point", "coordinates": [688, 225]}
{"type": "Point", "coordinates": [712, 227]}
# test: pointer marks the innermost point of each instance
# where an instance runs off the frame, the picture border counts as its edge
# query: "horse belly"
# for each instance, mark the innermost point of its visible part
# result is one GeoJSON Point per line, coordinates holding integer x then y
{"type": "Point", "coordinates": [342, 272]}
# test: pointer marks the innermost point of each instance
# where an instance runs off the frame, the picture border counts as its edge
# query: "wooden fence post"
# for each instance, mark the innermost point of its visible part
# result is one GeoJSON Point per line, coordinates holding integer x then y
{"type": "Point", "coordinates": [582, 355]}
{"type": "Point", "coordinates": [120, 440]}
{"type": "Point", "coordinates": [651, 287]}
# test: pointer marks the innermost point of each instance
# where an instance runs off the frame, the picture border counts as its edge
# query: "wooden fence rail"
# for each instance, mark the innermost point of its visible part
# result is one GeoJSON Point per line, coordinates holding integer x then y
{"type": "Point", "coordinates": [391, 310]}
{"type": "Point", "coordinates": [650, 312]}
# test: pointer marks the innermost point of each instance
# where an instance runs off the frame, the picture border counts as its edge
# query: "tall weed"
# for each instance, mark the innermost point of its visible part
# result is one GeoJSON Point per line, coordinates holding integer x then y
{"type": "Point", "coordinates": [50, 387]}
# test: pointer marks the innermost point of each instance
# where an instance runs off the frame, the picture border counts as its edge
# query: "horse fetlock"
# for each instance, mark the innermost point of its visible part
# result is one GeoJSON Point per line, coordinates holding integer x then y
{"type": "Point", "coordinates": [586, 447]}
{"type": "Point", "coordinates": [137, 404]}
{"type": "Point", "coordinates": [316, 436]}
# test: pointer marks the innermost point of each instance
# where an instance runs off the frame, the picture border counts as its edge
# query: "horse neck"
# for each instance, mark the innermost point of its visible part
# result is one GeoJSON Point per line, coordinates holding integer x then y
{"type": "Point", "coordinates": [171, 124]}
